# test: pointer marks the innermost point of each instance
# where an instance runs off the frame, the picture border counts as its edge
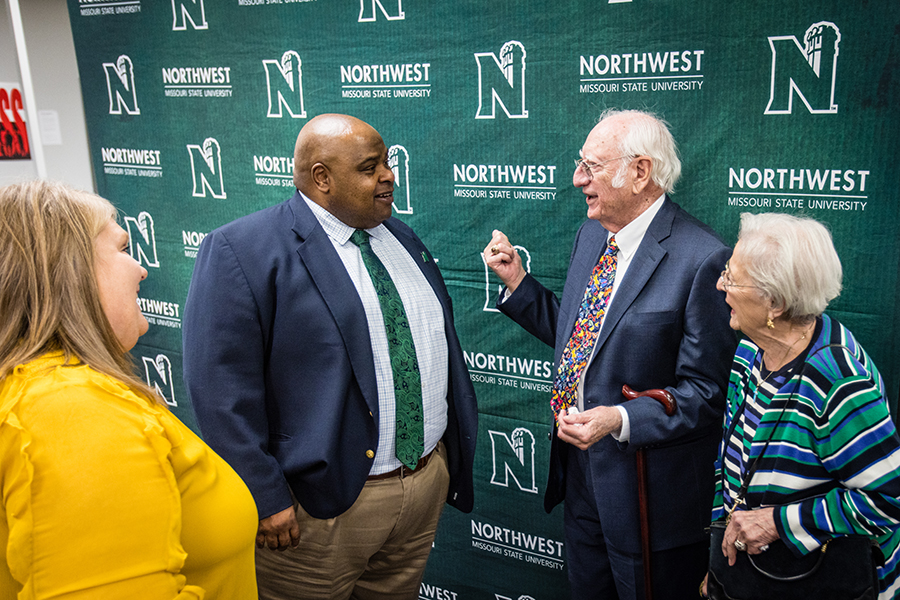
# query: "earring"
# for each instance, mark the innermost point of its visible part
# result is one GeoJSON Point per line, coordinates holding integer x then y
{"type": "Point", "coordinates": [769, 323]}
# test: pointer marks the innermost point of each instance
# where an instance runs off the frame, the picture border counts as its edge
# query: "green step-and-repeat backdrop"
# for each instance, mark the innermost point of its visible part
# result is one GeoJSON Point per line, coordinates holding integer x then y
{"type": "Point", "coordinates": [193, 107]}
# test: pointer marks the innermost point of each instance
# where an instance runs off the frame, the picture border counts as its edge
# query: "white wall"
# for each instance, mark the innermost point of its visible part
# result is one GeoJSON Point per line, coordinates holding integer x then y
{"type": "Point", "coordinates": [57, 87]}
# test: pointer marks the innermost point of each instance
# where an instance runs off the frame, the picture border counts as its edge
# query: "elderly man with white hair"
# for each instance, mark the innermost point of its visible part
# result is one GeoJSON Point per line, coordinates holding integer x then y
{"type": "Point", "coordinates": [639, 308]}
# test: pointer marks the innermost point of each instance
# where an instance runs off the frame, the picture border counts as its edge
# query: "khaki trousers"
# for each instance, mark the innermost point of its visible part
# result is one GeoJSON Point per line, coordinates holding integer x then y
{"type": "Point", "coordinates": [377, 550]}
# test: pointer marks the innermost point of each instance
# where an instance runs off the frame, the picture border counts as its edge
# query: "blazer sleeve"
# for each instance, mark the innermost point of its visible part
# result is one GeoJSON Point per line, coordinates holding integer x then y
{"type": "Point", "coordinates": [224, 370]}
{"type": "Point", "coordinates": [704, 355]}
{"type": "Point", "coordinates": [534, 307]}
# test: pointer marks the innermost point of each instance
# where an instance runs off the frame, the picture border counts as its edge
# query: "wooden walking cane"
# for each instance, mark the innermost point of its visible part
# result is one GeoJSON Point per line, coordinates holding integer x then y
{"type": "Point", "coordinates": [665, 398]}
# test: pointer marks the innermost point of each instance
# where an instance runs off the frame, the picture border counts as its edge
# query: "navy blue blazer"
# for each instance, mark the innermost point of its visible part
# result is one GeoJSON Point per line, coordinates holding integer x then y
{"type": "Point", "coordinates": [668, 328]}
{"type": "Point", "coordinates": [279, 368]}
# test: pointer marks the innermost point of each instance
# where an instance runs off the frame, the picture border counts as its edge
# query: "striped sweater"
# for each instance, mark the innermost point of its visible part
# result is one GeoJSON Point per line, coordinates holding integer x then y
{"type": "Point", "coordinates": [833, 462]}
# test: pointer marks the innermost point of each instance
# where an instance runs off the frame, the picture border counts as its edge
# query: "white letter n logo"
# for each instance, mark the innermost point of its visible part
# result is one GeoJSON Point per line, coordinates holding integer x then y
{"type": "Point", "coordinates": [284, 81]}
{"type": "Point", "coordinates": [807, 71]}
{"type": "Point", "coordinates": [159, 377]}
{"type": "Point", "coordinates": [142, 239]}
{"type": "Point", "coordinates": [502, 82]}
{"type": "Point", "coordinates": [515, 458]}
{"type": "Point", "coordinates": [120, 85]}
{"type": "Point", "coordinates": [367, 12]}
{"type": "Point", "coordinates": [188, 11]}
{"type": "Point", "coordinates": [206, 169]}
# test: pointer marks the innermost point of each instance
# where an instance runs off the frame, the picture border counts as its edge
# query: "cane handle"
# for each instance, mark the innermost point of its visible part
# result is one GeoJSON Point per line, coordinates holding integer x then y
{"type": "Point", "coordinates": [662, 396]}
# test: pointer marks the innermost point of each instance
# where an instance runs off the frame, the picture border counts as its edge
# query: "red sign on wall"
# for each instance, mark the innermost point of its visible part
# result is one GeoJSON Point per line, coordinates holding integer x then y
{"type": "Point", "coordinates": [13, 132]}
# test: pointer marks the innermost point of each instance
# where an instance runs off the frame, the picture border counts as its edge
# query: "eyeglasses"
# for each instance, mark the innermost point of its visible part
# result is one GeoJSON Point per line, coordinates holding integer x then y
{"type": "Point", "coordinates": [588, 167]}
{"type": "Point", "coordinates": [728, 282]}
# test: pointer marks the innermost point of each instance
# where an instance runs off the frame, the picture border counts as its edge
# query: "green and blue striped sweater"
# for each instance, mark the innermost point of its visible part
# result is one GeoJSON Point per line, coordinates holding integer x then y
{"type": "Point", "coordinates": [833, 462]}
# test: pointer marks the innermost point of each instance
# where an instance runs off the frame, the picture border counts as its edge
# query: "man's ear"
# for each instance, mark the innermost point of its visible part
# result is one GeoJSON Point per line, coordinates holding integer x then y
{"type": "Point", "coordinates": [643, 167]}
{"type": "Point", "coordinates": [321, 177]}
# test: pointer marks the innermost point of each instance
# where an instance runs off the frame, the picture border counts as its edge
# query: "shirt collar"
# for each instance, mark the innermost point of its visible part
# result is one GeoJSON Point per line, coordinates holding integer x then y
{"type": "Point", "coordinates": [629, 237]}
{"type": "Point", "coordinates": [336, 229]}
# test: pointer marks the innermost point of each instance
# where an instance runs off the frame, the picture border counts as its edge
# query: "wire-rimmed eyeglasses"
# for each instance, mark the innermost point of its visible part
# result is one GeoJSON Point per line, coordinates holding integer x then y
{"type": "Point", "coordinates": [728, 282]}
{"type": "Point", "coordinates": [588, 167]}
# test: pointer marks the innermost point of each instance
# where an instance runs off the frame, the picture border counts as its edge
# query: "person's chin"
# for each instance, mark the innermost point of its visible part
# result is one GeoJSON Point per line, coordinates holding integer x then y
{"type": "Point", "coordinates": [384, 211]}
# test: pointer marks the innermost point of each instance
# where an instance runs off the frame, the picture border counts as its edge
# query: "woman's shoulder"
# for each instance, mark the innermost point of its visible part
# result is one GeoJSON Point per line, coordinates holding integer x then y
{"type": "Point", "coordinates": [838, 355]}
{"type": "Point", "coordinates": [838, 377]}
{"type": "Point", "coordinates": [746, 353]}
{"type": "Point", "coordinates": [50, 392]}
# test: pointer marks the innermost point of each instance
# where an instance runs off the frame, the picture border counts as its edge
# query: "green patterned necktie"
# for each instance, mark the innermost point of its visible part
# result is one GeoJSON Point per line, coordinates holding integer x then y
{"type": "Point", "coordinates": [410, 438]}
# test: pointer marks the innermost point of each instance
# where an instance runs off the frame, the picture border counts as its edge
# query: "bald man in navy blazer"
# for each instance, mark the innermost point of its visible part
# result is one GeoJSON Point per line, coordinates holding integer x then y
{"type": "Point", "coordinates": [665, 326]}
{"type": "Point", "coordinates": [287, 367]}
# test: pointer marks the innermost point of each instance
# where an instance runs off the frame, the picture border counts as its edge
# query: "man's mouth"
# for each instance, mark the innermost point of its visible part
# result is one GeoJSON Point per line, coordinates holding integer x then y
{"type": "Point", "coordinates": [388, 195]}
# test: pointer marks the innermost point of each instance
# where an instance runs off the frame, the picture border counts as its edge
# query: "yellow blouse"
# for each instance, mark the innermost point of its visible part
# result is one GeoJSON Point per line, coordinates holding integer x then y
{"type": "Point", "coordinates": [106, 496]}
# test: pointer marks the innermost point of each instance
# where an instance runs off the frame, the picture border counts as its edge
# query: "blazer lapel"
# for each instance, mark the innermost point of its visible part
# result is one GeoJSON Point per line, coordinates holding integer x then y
{"type": "Point", "coordinates": [648, 256]}
{"type": "Point", "coordinates": [587, 253]}
{"type": "Point", "coordinates": [330, 277]}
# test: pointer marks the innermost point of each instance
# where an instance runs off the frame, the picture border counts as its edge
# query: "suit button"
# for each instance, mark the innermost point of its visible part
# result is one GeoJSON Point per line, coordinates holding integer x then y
{"type": "Point", "coordinates": [370, 454]}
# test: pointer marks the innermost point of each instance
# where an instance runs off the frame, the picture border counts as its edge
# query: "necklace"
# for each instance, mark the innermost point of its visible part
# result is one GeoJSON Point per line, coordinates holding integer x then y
{"type": "Point", "coordinates": [739, 498]}
{"type": "Point", "coordinates": [786, 352]}
{"type": "Point", "coordinates": [762, 367]}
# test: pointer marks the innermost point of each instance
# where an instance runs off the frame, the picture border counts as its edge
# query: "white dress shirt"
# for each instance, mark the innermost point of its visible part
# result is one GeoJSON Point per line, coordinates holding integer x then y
{"type": "Point", "coordinates": [426, 322]}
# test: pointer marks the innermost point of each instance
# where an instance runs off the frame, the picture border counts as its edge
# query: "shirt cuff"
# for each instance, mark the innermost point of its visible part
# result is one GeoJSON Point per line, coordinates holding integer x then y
{"type": "Point", "coordinates": [625, 434]}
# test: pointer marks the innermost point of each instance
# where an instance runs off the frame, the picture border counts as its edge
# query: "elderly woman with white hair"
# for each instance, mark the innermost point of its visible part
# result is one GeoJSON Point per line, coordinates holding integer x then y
{"type": "Point", "coordinates": [810, 452]}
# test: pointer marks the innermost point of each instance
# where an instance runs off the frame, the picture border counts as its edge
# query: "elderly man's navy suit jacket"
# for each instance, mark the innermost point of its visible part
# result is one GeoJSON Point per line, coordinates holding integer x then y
{"type": "Point", "coordinates": [668, 328]}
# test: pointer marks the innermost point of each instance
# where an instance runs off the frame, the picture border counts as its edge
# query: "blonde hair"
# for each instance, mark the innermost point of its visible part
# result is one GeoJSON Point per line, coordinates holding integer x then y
{"type": "Point", "coordinates": [49, 296]}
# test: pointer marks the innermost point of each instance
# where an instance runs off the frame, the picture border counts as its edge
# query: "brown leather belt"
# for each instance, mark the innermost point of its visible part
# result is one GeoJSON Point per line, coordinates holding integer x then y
{"type": "Point", "coordinates": [403, 471]}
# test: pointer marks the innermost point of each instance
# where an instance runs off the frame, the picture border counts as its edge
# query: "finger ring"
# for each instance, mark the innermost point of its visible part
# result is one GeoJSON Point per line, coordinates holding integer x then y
{"type": "Point", "coordinates": [495, 249]}
{"type": "Point", "coordinates": [764, 547]}
{"type": "Point", "coordinates": [741, 546]}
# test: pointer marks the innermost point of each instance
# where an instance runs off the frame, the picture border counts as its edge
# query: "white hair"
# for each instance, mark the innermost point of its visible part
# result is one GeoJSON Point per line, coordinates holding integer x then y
{"type": "Point", "coordinates": [647, 135]}
{"type": "Point", "coordinates": [792, 260]}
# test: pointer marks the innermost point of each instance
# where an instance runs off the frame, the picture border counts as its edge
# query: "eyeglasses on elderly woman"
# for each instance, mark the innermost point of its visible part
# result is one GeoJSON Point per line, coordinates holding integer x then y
{"type": "Point", "coordinates": [728, 282]}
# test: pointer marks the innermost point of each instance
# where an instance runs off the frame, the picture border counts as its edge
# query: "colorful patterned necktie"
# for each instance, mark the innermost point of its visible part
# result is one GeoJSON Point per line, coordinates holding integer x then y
{"type": "Point", "coordinates": [587, 326]}
{"type": "Point", "coordinates": [410, 437]}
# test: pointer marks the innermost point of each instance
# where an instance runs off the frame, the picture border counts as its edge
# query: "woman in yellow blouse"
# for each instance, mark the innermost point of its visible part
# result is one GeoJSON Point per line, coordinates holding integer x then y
{"type": "Point", "coordinates": [103, 492]}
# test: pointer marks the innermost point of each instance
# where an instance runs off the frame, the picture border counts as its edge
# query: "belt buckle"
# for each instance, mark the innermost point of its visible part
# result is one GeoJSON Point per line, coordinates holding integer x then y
{"type": "Point", "coordinates": [420, 464]}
